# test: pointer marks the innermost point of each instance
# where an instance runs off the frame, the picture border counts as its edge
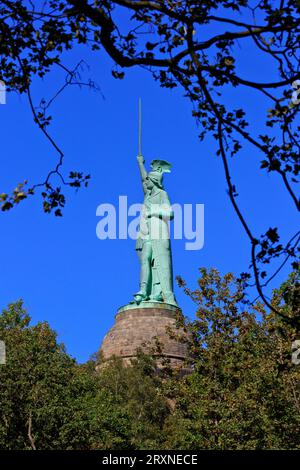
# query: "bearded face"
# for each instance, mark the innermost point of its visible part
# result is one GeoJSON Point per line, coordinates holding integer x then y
{"type": "Point", "coordinates": [156, 179]}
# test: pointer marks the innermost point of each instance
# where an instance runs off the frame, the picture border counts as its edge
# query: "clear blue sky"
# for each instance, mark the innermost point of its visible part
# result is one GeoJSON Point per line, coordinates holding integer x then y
{"type": "Point", "coordinates": [57, 265]}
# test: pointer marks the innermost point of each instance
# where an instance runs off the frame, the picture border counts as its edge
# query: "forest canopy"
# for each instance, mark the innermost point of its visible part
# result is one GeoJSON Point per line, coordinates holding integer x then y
{"type": "Point", "coordinates": [242, 393]}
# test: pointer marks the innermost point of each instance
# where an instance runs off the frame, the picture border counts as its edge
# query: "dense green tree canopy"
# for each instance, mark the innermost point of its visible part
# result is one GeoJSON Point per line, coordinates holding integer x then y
{"type": "Point", "coordinates": [243, 391]}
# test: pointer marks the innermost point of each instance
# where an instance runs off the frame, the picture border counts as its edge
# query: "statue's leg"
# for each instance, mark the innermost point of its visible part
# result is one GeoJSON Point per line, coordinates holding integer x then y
{"type": "Point", "coordinates": [156, 293]}
{"type": "Point", "coordinates": [166, 271]}
{"type": "Point", "coordinates": [145, 255]}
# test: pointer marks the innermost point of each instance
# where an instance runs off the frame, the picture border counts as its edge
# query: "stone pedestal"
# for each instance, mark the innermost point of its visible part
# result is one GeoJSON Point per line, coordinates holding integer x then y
{"type": "Point", "coordinates": [140, 327]}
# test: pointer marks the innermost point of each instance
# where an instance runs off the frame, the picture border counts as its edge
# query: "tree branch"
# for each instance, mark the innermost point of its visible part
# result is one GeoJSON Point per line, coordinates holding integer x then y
{"type": "Point", "coordinates": [29, 431]}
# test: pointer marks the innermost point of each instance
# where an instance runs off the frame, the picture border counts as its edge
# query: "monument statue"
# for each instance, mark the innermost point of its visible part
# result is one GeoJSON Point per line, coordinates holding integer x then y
{"type": "Point", "coordinates": [153, 312]}
{"type": "Point", "coordinates": [153, 238]}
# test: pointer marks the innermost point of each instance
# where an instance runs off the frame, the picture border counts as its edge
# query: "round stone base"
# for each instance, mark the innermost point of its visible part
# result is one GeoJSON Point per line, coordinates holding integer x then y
{"type": "Point", "coordinates": [143, 326]}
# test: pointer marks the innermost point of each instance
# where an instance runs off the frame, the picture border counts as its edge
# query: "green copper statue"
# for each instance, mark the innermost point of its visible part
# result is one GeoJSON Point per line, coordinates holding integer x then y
{"type": "Point", "coordinates": [153, 240]}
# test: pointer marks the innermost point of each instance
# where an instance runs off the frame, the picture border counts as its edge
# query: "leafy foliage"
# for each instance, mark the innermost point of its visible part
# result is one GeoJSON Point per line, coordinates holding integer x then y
{"type": "Point", "coordinates": [243, 391]}
{"type": "Point", "coordinates": [49, 402]}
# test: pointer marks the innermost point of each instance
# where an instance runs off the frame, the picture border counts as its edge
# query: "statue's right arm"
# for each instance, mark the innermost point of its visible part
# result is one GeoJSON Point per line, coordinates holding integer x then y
{"type": "Point", "coordinates": [143, 172]}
